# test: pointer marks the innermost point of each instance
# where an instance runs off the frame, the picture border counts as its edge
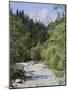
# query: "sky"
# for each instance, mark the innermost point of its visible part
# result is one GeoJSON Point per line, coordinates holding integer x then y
{"type": "Point", "coordinates": [44, 13]}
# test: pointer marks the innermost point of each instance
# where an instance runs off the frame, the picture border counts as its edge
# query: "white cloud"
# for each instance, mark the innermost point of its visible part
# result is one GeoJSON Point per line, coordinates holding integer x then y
{"type": "Point", "coordinates": [54, 18]}
{"type": "Point", "coordinates": [42, 15]}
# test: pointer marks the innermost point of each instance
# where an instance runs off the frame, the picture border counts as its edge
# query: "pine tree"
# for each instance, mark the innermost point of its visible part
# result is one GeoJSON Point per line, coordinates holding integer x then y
{"type": "Point", "coordinates": [17, 12]}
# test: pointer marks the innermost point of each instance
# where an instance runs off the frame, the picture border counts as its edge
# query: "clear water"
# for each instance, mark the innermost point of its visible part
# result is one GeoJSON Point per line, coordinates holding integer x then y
{"type": "Point", "coordinates": [41, 75]}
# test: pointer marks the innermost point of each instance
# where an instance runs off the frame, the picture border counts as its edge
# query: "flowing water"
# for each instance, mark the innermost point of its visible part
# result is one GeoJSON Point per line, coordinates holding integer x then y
{"type": "Point", "coordinates": [40, 75]}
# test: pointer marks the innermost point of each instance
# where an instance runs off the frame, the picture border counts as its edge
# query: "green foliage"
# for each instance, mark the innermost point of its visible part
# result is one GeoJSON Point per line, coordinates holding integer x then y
{"type": "Point", "coordinates": [35, 52]}
{"type": "Point", "coordinates": [13, 70]}
{"type": "Point", "coordinates": [53, 53]}
{"type": "Point", "coordinates": [33, 40]}
{"type": "Point", "coordinates": [24, 34]}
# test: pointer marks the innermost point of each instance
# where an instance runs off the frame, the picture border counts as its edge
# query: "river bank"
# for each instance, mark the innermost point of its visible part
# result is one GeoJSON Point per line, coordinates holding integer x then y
{"type": "Point", "coordinates": [40, 75]}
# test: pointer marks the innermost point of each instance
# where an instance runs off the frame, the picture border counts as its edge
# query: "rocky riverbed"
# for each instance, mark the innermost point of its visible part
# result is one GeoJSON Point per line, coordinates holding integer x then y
{"type": "Point", "coordinates": [38, 75]}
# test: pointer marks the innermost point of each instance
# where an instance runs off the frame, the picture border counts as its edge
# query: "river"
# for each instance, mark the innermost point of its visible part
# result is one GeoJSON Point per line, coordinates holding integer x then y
{"type": "Point", "coordinates": [40, 74]}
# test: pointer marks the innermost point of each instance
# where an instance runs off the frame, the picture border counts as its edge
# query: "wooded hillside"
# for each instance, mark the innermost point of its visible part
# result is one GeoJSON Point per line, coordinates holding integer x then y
{"type": "Point", "coordinates": [31, 40]}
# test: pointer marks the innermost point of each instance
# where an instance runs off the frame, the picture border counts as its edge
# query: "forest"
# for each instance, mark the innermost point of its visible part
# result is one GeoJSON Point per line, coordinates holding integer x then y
{"type": "Point", "coordinates": [33, 41]}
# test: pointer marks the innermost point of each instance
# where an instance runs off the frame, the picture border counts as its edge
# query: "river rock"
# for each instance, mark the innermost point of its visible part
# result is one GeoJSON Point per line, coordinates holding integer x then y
{"type": "Point", "coordinates": [19, 81]}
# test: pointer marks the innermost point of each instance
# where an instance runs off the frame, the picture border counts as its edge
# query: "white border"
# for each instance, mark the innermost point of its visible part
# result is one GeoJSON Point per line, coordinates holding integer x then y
{"type": "Point", "coordinates": [4, 43]}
